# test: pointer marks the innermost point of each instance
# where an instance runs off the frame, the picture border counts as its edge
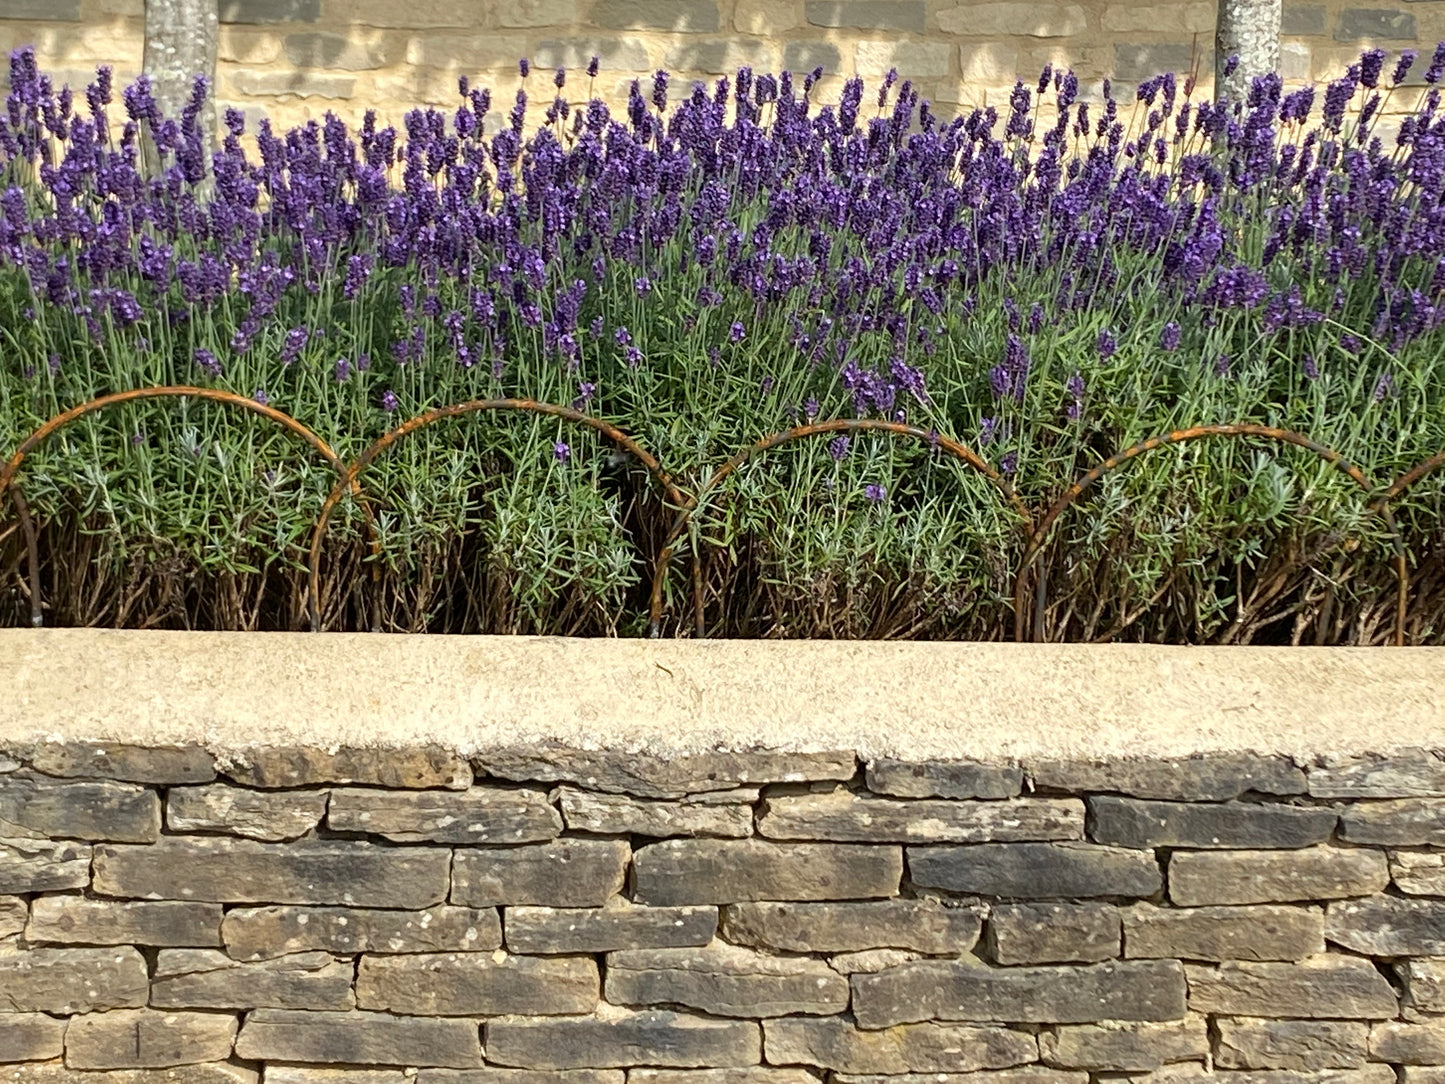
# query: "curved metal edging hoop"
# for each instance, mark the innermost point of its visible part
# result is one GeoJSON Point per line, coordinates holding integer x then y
{"type": "Point", "coordinates": [411, 425]}
{"type": "Point", "coordinates": [837, 425]}
{"type": "Point", "coordinates": [11, 467]}
{"type": "Point", "coordinates": [1182, 436]}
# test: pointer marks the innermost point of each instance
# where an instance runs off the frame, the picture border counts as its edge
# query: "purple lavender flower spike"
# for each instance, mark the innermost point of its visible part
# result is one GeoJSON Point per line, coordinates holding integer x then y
{"type": "Point", "coordinates": [389, 401]}
{"type": "Point", "coordinates": [737, 332]}
{"type": "Point", "coordinates": [561, 451]}
{"type": "Point", "coordinates": [875, 493]}
{"type": "Point", "coordinates": [838, 448]}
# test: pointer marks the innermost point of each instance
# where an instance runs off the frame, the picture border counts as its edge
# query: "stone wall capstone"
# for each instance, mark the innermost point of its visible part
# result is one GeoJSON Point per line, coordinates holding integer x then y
{"type": "Point", "coordinates": [553, 915]}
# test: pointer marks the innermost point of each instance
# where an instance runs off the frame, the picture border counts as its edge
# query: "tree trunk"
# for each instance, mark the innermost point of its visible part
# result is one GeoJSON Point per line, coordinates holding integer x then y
{"type": "Point", "coordinates": [180, 44]}
{"type": "Point", "coordinates": [1248, 29]}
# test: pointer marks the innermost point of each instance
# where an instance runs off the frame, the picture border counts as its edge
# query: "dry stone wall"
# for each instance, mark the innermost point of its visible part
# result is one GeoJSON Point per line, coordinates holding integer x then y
{"type": "Point", "coordinates": [553, 916]}
{"type": "Point", "coordinates": [295, 59]}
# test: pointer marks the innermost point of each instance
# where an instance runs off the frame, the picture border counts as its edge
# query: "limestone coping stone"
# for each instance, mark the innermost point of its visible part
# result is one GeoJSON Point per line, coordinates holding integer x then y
{"type": "Point", "coordinates": [973, 701]}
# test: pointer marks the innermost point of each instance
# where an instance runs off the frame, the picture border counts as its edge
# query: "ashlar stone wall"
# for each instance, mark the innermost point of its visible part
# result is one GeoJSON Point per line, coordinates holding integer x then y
{"type": "Point", "coordinates": [551, 916]}
{"type": "Point", "coordinates": [294, 59]}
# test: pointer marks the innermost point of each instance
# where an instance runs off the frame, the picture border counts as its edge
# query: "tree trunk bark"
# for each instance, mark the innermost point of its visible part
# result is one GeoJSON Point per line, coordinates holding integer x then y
{"type": "Point", "coordinates": [1248, 29]}
{"type": "Point", "coordinates": [180, 44]}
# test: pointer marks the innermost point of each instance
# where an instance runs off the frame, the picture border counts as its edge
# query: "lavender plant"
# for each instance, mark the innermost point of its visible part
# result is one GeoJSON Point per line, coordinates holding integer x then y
{"type": "Point", "coordinates": [1047, 283]}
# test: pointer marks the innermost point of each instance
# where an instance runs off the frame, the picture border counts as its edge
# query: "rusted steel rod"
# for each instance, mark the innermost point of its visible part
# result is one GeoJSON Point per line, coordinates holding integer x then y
{"type": "Point", "coordinates": [430, 417]}
{"type": "Point", "coordinates": [801, 432]}
{"type": "Point", "coordinates": [1237, 430]}
{"type": "Point", "coordinates": [10, 469]}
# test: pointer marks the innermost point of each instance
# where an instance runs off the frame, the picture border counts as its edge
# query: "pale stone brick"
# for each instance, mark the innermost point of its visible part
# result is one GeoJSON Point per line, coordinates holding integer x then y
{"type": "Point", "coordinates": [1014, 19]}
{"type": "Point", "coordinates": [766, 18]}
{"type": "Point", "coordinates": [1187, 18]}
{"type": "Point", "coordinates": [147, 1039]}
{"type": "Point", "coordinates": [527, 13]}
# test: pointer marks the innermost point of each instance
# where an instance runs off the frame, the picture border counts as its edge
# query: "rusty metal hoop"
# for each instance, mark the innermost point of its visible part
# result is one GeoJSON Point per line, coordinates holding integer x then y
{"type": "Point", "coordinates": [11, 467]}
{"type": "Point", "coordinates": [436, 414]}
{"type": "Point", "coordinates": [837, 425]}
{"type": "Point", "coordinates": [1181, 436]}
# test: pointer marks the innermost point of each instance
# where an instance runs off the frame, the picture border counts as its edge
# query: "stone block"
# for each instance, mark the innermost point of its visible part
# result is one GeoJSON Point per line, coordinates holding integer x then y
{"type": "Point", "coordinates": [530, 13]}
{"type": "Point", "coordinates": [34, 807]}
{"type": "Point", "coordinates": [1036, 870]}
{"type": "Point", "coordinates": [912, 59]}
{"type": "Point", "coordinates": [1403, 822]}
{"type": "Point", "coordinates": [625, 55]}
{"type": "Point", "coordinates": [765, 18]}
{"type": "Point", "coordinates": [358, 1038]}
{"type": "Point", "coordinates": [259, 933]}
{"type": "Point", "coordinates": [302, 765]}
{"type": "Point", "coordinates": [758, 1075]}
{"type": "Point", "coordinates": [1014, 19]}
{"type": "Point", "coordinates": [288, 84]}
{"type": "Point", "coordinates": [341, 872]}
{"type": "Point", "coordinates": [1424, 982]}
{"type": "Point", "coordinates": [300, 1074]}
{"type": "Point", "coordinates": [496, 1075]}
{"type": "Point", "coordinates": [496, 52]}
{"type": "Point", "coordinates": [43, 10]}
{"type": "Point", "coordinates": [1053, 933]}
{"type": "Point", "coordinates": [147, 1039]}
{"type": "Point", "coordinates": [73, 980]}
{"type": "Point", "coordinates": [924, 925]}
{"type": "Point", "coordinates": [1215, 777]}
{"type": "Point", "coordinates": [686, 871]}
{"type": "Point", "coordinates": [618, 925]}
{"type": "Point", "coordinates": [317, 49]}
{"type": "Point", "coordinates": [1223, 933]}
{"type": "Point", "coordinates": [720, 57]}
{"type": "Point", "coordinates": [1136, 61]}
{"type": "Point", "coordinates": [870, 961]}
{"type": "Point", "coordinates": [40, 865]}
{"type": "Point", "coordinates": [475, 984]}
{"type": "Point", "coordinates": [962, 990]}
{"type": "Point", "coordinates": [860, 818]}
{"type": "Point", "coordinates": [621, 814]}
{"type": "Point", "coordinates": [478, 815]}
{"type": "Point", "coordinates": [1194, 17]}
{"type": "Point", "coordinates": [1131, 822]}
{"type": "Point", "coordinates": [905, 15]}
{"type": "Point", "coordinates": [674, 15]}
{"type": "Point", "coordinates": [1416, 773]}
{"type": "Point", "coordinates": [1125, 1048]}
{"type": "Point", "coordinates": [563, 873]}
{"type": "Point", "coordinates": [270, 11]}
{"type": "Point", "coordinates": [270, 816]}
{"type": "Point", "coordinates": [804, 56]}
{"type": "Point", "coordinates": [651, 776]}
{"type": "Point", "coordinates": [163, 765]}
{"type": "Point", "coordinates": [76, 920]}
{"type": "Point", "coordinates": [1418, 873]}
{"type": "Point", "coordinates": [838, 1045]}
{"type": "Point", "coordinates": [943, 779]}
{"type": "Point", "coordinates": [1388, 926]}
{"type": "Point", "coordinates": [1303, 20]}
{"type": "Point", "coordinates": [1320, 988]}
{"type": "Point", "coordinates": [1408, 1044]}
{"type": "Point", "coordinates": [1375, 24]}
{"type": "Point", "coordinates": [1236, 877]}
{"type": "Point", "coordinates": [1295, 61]}
{"type": "Point", "coordinates": [30, 1036]}
{"type": "Point", "coordinates": [13, 913]}
{"type": "Point", "coordinates": [1415, 1074]}
{"type": "Point", "coordinates": [725, 980]}
{"type": "Point", "coordinates": [208, 979]}
{"type": "Point", "coordinates": [622, 1039]}
{"type": "Point", "coordinates": [1024, 1074]}
{"type": "Point", "coordinates": [1301, 1045]}
{"type": "Point", "coordinates": [56, 1072]}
